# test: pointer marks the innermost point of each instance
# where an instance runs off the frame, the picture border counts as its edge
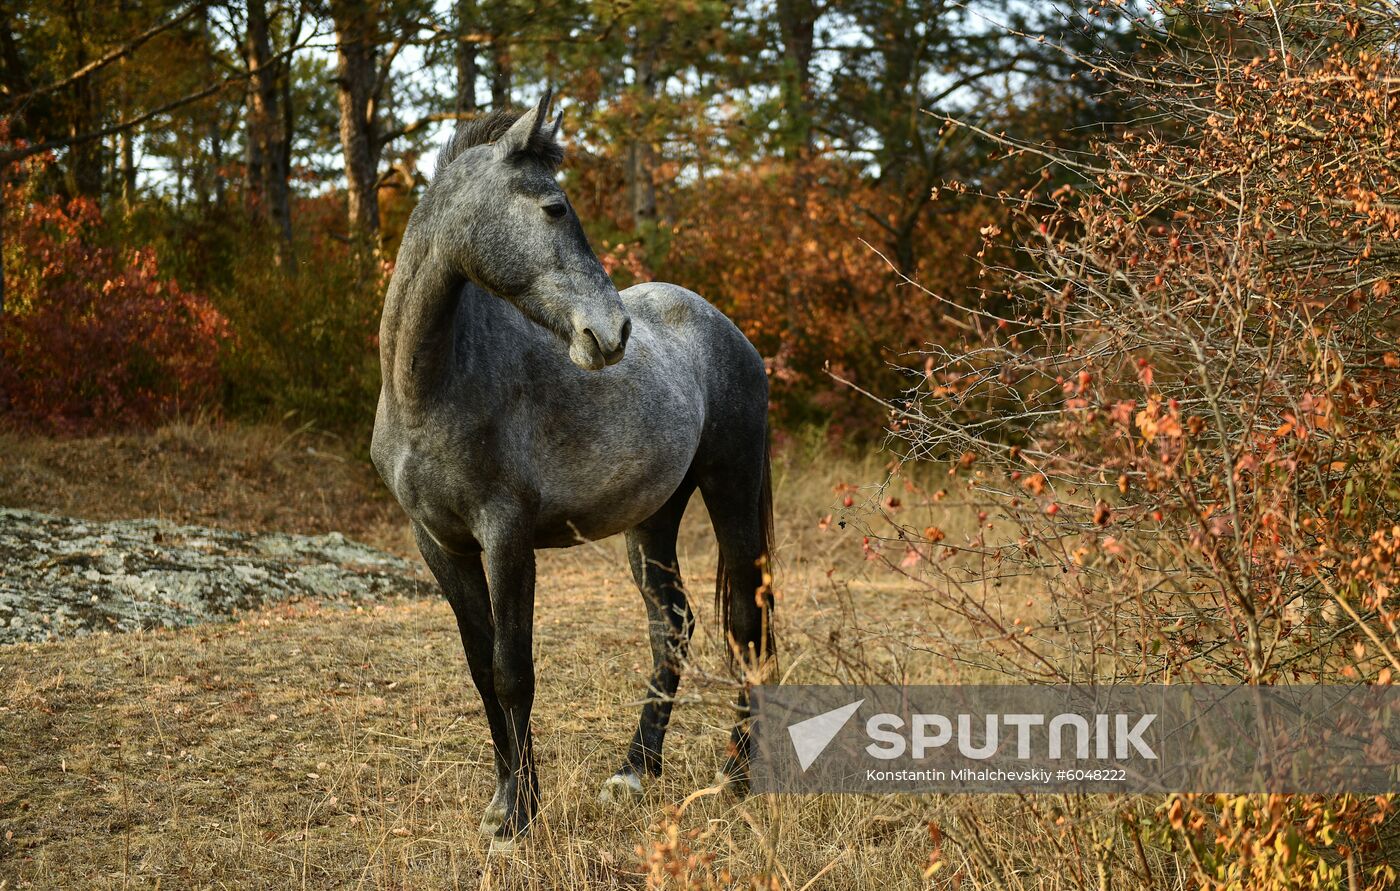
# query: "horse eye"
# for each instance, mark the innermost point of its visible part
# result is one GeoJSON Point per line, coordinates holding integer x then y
{"type": "Point", "coordinates": [556, 211]}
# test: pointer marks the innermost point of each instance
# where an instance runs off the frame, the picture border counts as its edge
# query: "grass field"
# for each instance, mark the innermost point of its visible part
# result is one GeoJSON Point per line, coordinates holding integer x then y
{"type": "Point", "coordinates": [313, 746]}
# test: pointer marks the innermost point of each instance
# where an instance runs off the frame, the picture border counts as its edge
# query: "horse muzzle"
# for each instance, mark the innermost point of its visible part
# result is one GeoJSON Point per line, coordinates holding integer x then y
{"type": "Point", "coordinates": [596, 346]}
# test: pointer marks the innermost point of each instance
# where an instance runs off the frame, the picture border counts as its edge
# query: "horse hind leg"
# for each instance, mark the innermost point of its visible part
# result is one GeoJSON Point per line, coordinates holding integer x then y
{"type": "Point", "coordinates": [738, 496]}
{"type": "Point", "coordinates": [651, 553]}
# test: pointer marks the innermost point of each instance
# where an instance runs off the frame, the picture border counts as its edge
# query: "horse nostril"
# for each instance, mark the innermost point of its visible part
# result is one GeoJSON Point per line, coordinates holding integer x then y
{"type": "Point", "coordinates": [613, 355]}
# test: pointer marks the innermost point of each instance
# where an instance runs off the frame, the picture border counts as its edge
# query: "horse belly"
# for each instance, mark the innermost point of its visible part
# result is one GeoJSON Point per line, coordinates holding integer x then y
{"type": "Point", "coordinates": [585, 500]}
{"type": "Point", "coordinates": [597, 485]}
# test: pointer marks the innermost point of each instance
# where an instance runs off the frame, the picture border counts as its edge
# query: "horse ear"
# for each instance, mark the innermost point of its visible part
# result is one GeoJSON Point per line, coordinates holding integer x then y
{"type": "Point", "coordinates": [525, 130]}
{"type": "Point", "coordinates": [554, 128]}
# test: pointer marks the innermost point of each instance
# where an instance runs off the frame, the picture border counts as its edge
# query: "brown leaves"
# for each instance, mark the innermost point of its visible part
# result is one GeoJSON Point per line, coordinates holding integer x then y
{"type": "Point", "coordinates": [1102, 513]}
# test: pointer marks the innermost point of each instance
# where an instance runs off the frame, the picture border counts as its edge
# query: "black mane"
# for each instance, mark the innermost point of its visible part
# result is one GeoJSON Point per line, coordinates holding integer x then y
{"type": "Point", "coordinates": [488, 128]}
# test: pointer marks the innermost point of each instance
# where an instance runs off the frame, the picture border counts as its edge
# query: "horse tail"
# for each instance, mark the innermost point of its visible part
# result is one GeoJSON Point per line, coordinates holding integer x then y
{"type": "Point", "coordinates": [728, 589]}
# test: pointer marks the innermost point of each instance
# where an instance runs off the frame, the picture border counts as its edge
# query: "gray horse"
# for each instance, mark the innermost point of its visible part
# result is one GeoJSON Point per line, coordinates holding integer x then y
{"type": "Point", "coordinates": [510, 419]}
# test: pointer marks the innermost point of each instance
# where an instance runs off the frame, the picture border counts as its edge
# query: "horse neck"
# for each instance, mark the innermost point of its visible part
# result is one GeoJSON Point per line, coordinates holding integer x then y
{"type": "Point", "coordinates": [437, 326]}
{"type": "Point", "coordinates": [415, 332]}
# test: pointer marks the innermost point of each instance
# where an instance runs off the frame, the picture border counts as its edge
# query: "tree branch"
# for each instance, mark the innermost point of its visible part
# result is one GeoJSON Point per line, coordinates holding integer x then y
{"type": "Point", "coordinates": [10, 156]}
{"type": "Point", "coordinates": [115, 55]}
{"type": "Point", "coordinates": [434, 118]}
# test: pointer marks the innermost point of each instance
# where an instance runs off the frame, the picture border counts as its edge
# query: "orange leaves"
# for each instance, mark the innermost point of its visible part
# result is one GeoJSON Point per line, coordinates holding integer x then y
{"type": "Point", "coordinates": [1152, 421]}
{"type": "Point", "coordinates": [1102, 513]}
{"type": "Point", "coordinates": [785, 249]}
{"type": "Point", "coordinates": [1122, 412]}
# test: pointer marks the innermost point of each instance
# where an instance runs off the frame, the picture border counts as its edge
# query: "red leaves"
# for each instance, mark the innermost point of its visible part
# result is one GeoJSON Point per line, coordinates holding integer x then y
{"type": "Point", "coordinates": [93, 338]}
{"type": "Point", "coordinates": [1145, 373]}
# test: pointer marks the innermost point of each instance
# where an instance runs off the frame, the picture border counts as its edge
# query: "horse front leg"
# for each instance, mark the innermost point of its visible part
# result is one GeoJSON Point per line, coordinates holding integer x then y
{"type": "Point", "coordinates": [463, 583]}
{"type": "Point", "coordinates": [510, 566]}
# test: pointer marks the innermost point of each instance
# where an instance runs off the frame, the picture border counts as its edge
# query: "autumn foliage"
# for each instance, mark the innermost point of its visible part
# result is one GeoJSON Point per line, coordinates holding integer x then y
{"type": "Point", "coordinates": [786, 251]}
{"type": "Point", "coordinates": [94, 336]}
{"type": "Point", "coordinates": [307, 344]}
{"type": "Point", "coordinates": [1186, 431]}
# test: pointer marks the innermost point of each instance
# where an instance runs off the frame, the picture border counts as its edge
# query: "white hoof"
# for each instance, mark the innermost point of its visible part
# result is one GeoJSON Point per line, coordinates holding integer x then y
{"type": "Point", "coordinates": [502, 846]}
{"type": "Point", "coordinates": [492, 820]}
{"type": "Point", "coordinates": [621, 788]}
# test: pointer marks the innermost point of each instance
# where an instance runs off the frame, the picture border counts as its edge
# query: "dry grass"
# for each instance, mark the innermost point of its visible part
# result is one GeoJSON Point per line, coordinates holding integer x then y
{"type": "Point", "coordinates": [327, 749]}
{"type": "Point", "coordinates": [312, 746]}
{"type": "Point", "coordinates": [246, 478]}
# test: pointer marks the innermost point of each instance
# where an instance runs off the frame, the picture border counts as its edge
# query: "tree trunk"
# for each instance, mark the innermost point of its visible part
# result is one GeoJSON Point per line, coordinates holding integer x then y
{"type": "Point", "coordinates": [466, 57]}
{"type": "Point", "coordinates": [85, 159]}
{"type": "Point", "coordinates": [216, 136]}
{"type": "Point", "coordinates": [500, 72]}
{"type": "Point", "coordinates": [797, 21]}
{"type": "Point", "coordinates": [126, 154]}
{"type": "Point", "coordinates": [642, 161]}
{"type": "Point", "coordinates": [641, 154]}
{"type": "Point", "coordinates": [287, 135]}
{"type": "Point", "coordinates": [357, 57]}
{"type": "Point", "coordinates": [267, 139]}
{"type": "Point", "coordinates": [128, 170]}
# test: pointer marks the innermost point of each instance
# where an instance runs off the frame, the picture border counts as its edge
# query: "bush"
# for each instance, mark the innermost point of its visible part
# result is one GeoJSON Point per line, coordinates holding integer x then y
{"type": "Point", "coordinates": [790, 260]}
{"type": "Point", "coordinates": [93, 337]}
{"type": "Point", "coordinates": [1186, 436]}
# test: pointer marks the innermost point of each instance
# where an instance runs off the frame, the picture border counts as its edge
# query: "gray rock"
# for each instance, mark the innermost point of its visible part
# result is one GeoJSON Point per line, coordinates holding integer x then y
{"type": "Point", "coordinates": [61, 577]}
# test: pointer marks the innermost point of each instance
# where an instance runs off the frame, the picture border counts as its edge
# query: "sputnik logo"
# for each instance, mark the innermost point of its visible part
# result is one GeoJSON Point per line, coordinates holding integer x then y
{"type": "Point", "coordinates": [811, 737]}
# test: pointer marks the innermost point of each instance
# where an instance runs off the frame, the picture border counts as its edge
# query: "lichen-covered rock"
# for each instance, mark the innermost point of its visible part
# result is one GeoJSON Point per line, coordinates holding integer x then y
{"type": "Point", "coordinates": [62, 577]}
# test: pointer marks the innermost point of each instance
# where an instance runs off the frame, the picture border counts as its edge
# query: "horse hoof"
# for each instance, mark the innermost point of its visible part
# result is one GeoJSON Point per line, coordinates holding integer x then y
{"type": "Point", "coordinates": [502, 846]}
{"type": "Point", "coordinates": [621, 788]}
{"type": "Point", "coordinates": [493, 819]}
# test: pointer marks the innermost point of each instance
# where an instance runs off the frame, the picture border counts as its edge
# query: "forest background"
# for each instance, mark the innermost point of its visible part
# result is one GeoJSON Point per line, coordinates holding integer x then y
{"type": "Point", "coordinates": [205, 199]}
